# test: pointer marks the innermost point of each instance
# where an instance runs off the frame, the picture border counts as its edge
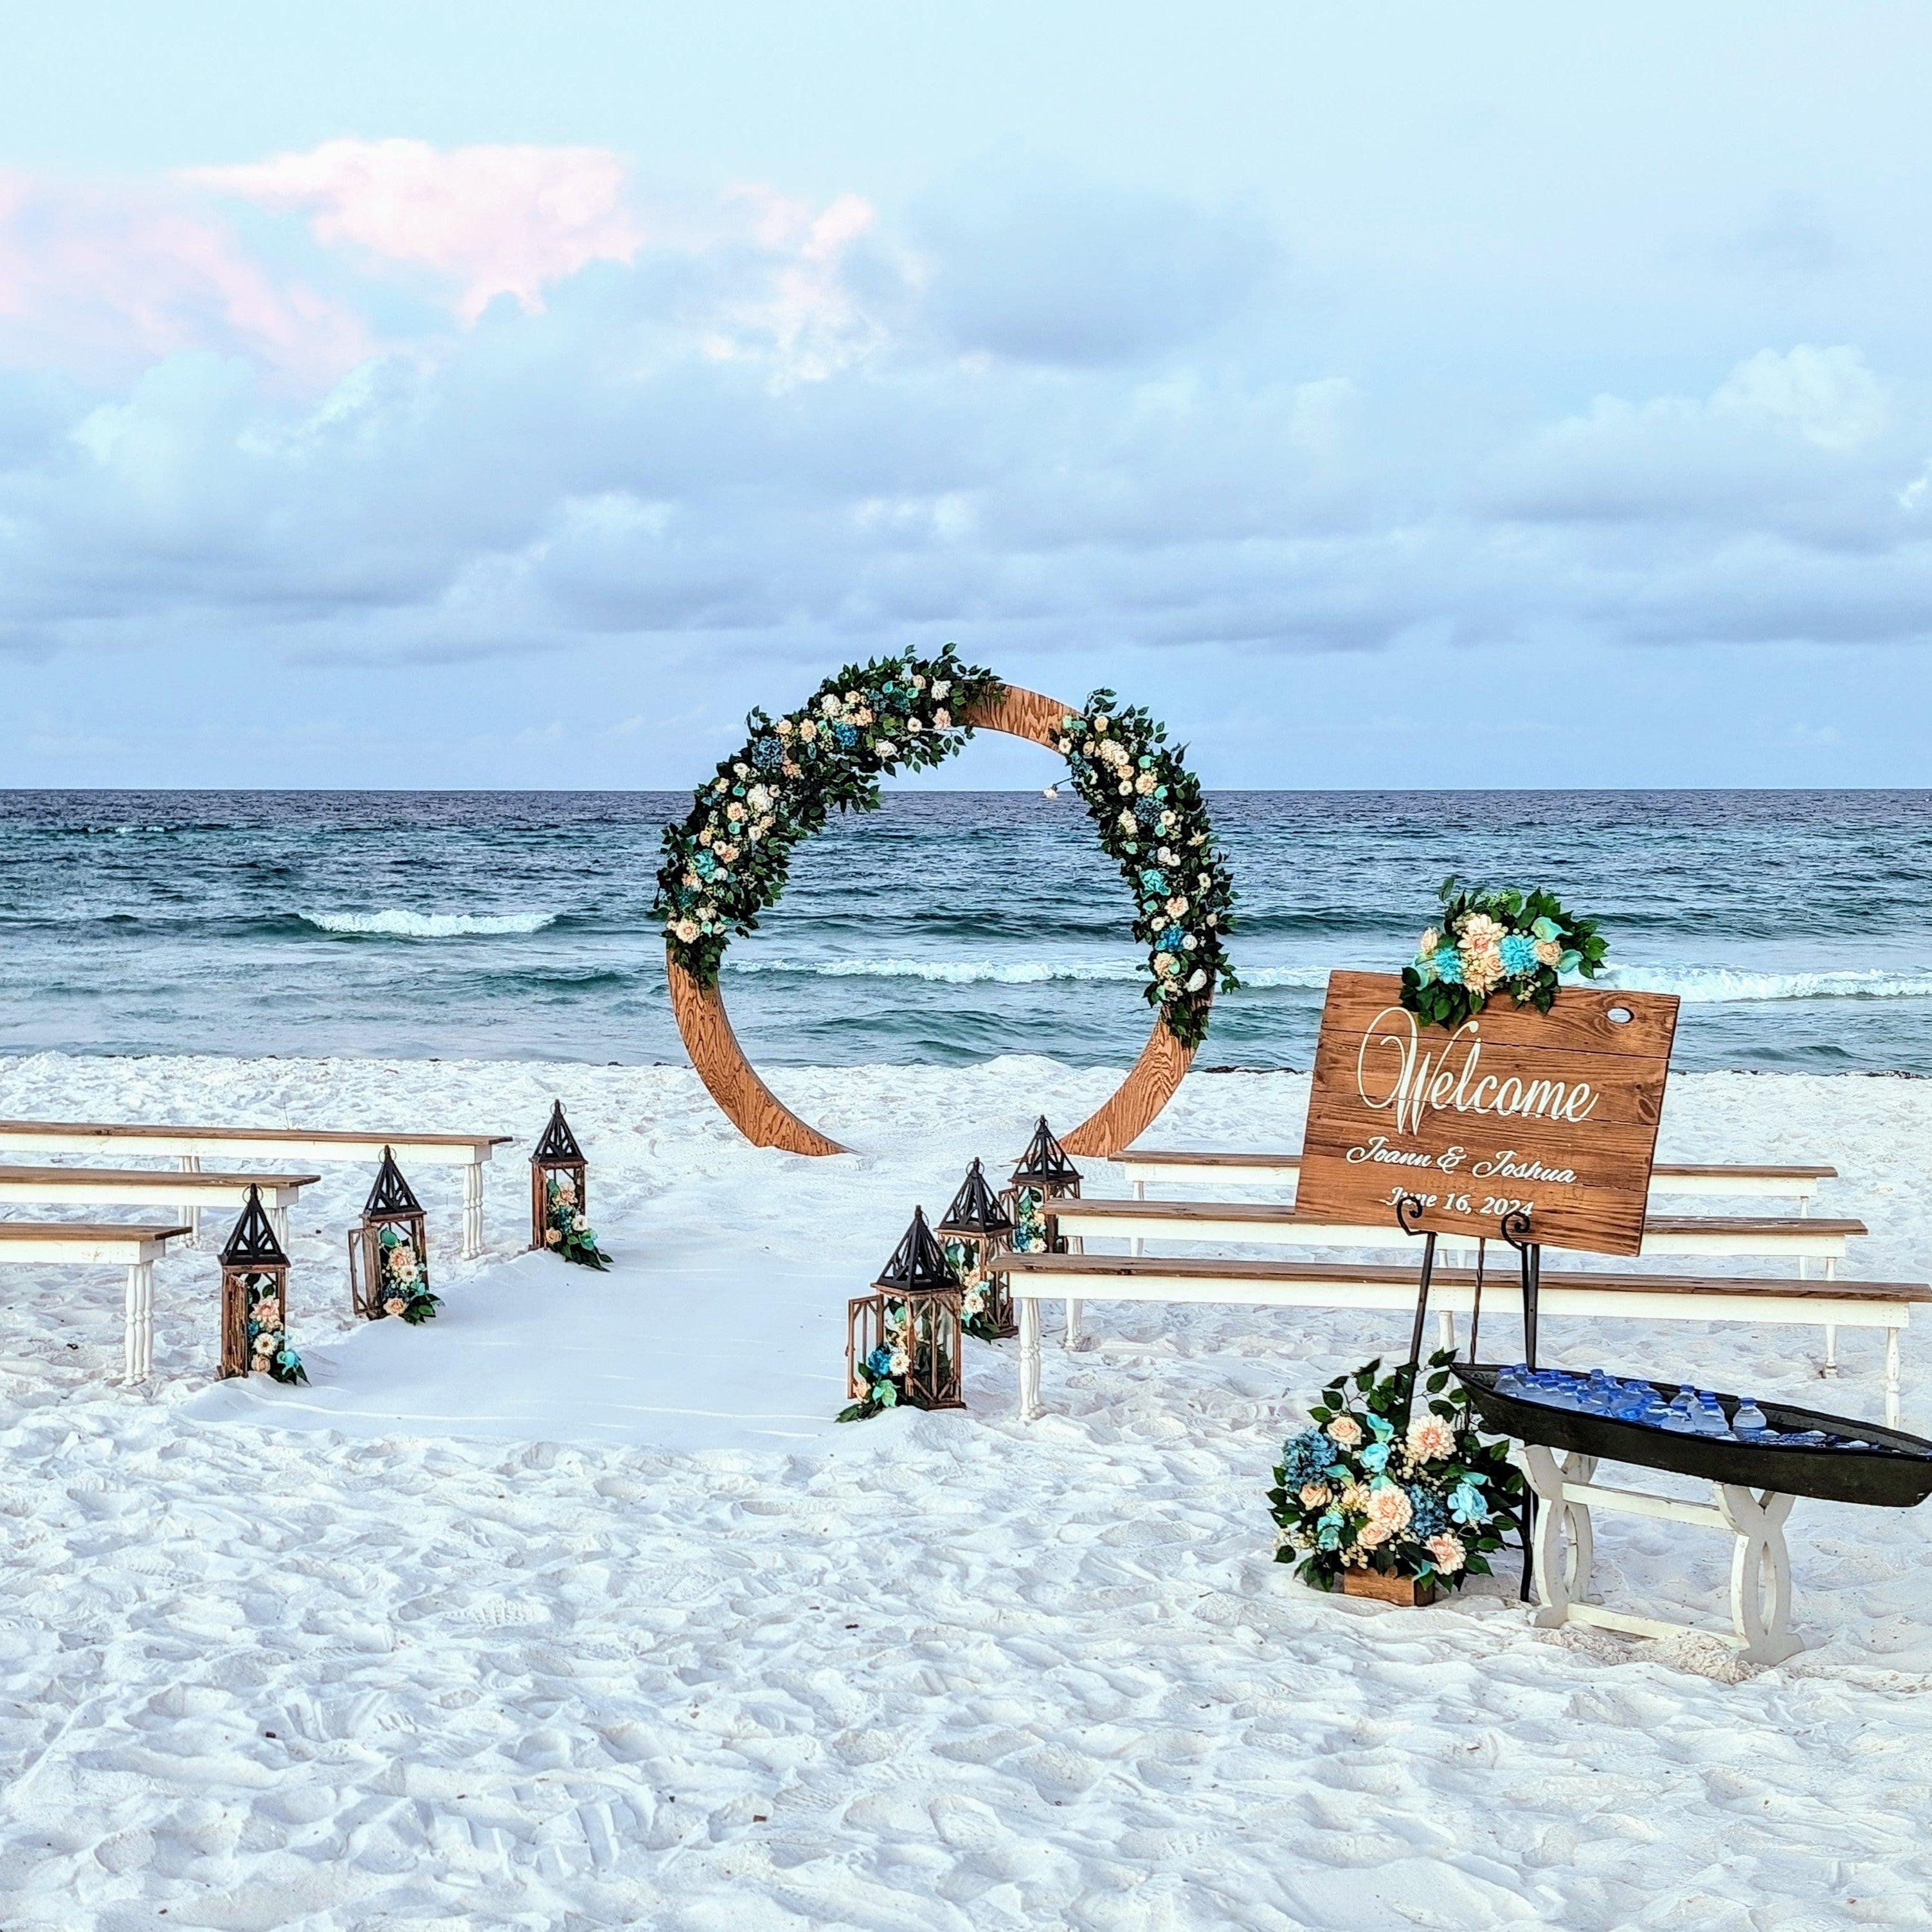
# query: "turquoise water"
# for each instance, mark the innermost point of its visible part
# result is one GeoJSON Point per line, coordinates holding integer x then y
{"type": "Point", "coordinates": [946, 928]}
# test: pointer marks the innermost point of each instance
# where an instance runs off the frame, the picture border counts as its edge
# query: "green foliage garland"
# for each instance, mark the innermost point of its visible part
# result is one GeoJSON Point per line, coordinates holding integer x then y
{"type": "Point", "coordinates": [1489, 943]}
{"type": "Point", "coordinates": [1358, 1489]}
{"type": "Point", "coordinates": [726, 862]}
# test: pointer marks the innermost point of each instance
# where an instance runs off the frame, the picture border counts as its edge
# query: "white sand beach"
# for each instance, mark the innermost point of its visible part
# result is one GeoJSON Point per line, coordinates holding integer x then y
{"type": "Point", "coordinates": [573, 1609]}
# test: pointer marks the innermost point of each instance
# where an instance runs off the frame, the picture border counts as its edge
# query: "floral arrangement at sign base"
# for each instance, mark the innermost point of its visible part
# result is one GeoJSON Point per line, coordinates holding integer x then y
{"type": "Point", "coordinates": [566, 1231]}
{"type": "Point", "coordinates": [1511, 942]}
{"type": "Point", "coordinates": [405, 1279]}
{"type": "Point", "coordinates": [268, 1348]}
{"type": "Point", "coordinates": [1389, 1493]}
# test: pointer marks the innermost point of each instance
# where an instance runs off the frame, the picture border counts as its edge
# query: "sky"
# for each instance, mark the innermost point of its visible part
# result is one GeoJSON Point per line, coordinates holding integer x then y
{"type": "Point", "coordinates": [478, 395]}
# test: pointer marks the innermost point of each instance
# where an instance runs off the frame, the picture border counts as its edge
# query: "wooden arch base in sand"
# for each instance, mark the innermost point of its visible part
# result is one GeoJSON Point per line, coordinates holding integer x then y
{"type": "Point", "coordinates": [765, 1120]}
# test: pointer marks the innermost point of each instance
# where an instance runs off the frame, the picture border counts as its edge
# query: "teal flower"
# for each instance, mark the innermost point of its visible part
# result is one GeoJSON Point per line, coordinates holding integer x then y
{"type": "Point", "coordinates": [1546, 928]}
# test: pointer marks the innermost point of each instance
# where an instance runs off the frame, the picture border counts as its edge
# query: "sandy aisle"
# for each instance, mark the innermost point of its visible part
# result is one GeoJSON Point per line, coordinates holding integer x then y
{"type": "Point", "coordinates": [572, 1610]}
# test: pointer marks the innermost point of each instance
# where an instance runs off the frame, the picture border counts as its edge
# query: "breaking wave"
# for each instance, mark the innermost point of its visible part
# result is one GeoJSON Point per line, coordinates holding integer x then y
{"type": "Point", "coordinates": [1703, 985]}
{"type": "Point", "coordinates": [395, 923]}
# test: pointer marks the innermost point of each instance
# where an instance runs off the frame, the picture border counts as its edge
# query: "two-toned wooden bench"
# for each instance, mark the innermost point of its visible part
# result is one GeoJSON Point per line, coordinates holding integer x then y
{"type": "Point", "coordinates": [185, 1194]}
{"type": "Point", "coordinates": [135, 1246]}
{"type": "Point", "coordinates": [1886, 1306]}
{"type": "Point", "coordinates": [191, 1145]}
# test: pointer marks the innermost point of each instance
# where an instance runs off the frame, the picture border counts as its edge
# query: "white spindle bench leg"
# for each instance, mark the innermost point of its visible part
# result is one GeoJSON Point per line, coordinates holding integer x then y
{"type": "Point", "coordinates": [1073, 1324]}
{"type": "Point", "coordinates": [278, 1219]}
{"type": "Point", "coordinates": [138, 1322]}
{"type": "Point", "coordinates": [1445, 1328]}
{"type": "Point", "coordinates": [1829, 1368]}
{"type": "Point", "coordinates": [1137, 1246]}
{"type": "Point", "coordinates": [1029, 1359]}
{"type": "Point", "coordinates": [1891, 1403]}
{"type": "Point", "coordinates": [473, 1210]}
{"type": "Point", "coordinates": [190, 1210]}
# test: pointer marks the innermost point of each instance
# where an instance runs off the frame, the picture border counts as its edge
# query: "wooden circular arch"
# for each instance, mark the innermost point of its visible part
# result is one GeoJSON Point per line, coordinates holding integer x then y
{"type": "Point", "coordinates": [765, 1120]}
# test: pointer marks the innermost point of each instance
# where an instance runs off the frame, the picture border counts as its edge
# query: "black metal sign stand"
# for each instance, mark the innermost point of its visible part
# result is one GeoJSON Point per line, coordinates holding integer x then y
{"type": "Point", "coordinates": [1514, 1228]}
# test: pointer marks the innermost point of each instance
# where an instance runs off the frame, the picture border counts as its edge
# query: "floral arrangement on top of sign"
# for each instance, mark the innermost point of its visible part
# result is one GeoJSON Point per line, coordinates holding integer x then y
{"type": "Point", "coordinates": [1358, 1489]}
{"type": "Point", "coordinates": [267, 1340]}
{"type": "Point", "coordinates": [1514, 942]}
{"type": "Point", "coordinates": [405, 1278]}
{"type": "Point", "coordinates": [884, 1370]}
{"type": "Point", "coordinates": [566, 1231]}
{"type": "Point", "coordinates": [1147, 807]}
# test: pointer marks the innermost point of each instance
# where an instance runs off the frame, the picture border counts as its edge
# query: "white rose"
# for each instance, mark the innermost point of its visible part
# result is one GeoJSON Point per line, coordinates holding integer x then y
{"type": "Point", "coordinates": [1196, 979]}
{"type": "Point", "coordinates": [913, 725]}
{"type": "Point", "coordinates": [886, 748]}
{"type": "Point", "coordinates": [941, 687]}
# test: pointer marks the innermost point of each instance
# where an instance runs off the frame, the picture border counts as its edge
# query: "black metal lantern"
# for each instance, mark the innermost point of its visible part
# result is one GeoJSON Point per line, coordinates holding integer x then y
{"type": "Point", "coordinates": [974, 1235]}
{"type": "Point", "coordinates": [1043, 1175]}
{"type": "Point", "coordinates": [560, 1185]}
{"type": "Point", "coordinates": [911, 1318]}
{"type": "Point", "coordinates": [392, 1242]}
{"type": "Point", "coordinates": [255, 1299]}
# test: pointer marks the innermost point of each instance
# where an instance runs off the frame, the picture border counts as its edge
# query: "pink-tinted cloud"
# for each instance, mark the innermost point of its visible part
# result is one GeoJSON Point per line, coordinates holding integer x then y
{"type": "Point", "coordinates": [495, 221]}
{"type": "Point", "coordinates": [103, 277]}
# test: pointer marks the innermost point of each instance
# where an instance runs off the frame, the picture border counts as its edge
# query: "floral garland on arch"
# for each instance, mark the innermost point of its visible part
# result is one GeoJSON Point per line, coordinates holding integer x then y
{"type": "Point", "coordinates": [726, 862]}
{"type": "Point", "coordinates": [1516, 942]}
{"type": "Point", "coordinates": [1147, 807]}
{"type": "Point", "coordinates": [1355, 1490]}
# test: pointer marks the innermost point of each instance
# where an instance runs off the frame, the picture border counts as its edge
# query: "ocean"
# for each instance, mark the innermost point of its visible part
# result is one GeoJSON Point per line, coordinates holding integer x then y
{"type": "Point", "coordinates": [948, 928]}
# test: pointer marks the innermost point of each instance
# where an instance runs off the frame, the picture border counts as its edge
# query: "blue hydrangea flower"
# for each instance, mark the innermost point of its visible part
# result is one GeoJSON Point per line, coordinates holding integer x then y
{"type": "Point", "coordinates": [879, 1363]}
{"type": "Point", "coordinates": [1448, 964]}
{"type": "Point", "coordinates": [768, 754]}
{"type": "Point", "coordinates": [1146, 810]}
{"type": "Point", "coordinates": [1173, 939]}
{"type": "Point", "coordinates": [1152, 881]}
{"type": "Point", "coordinates": [1305, 1459]}
{"type": "Point", "coordinates": [844, 735]}
{"type": "Point", "coordinates": [1519, 951]}
{"type": "Point", "coordinates": [1427, 1516]}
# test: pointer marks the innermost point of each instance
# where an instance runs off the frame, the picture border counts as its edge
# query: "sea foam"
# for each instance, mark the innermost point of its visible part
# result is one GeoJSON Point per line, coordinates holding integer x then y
{"type": "Point", "coordinates": [396, 923]}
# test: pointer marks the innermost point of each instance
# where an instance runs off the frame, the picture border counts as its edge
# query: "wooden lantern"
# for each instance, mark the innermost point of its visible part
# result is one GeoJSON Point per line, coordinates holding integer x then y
{"type": "Point", "coordinates": [974, 1235]}
{"type": "Point", "coordinates": [1044, 1175]}
{"type": "Point", "coordinates": [913, 1313]}
{"type": "Point", "coordinates": [559, 1174]}
{"type": "Point", "coordinates": [391, 1244]}
{"type": "Point", "coordinates": [254, 1293]}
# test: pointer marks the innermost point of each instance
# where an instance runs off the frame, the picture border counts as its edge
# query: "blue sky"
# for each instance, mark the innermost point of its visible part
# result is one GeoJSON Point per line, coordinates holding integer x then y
{"type": "Point", "coordinates": [511, 395]}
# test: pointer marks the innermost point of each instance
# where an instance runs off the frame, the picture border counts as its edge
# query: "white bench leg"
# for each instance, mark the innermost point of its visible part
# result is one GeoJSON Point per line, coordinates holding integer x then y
{"type": "Point", "coordinates": [1137, 1246]}
{"type": "Point", "coordinates": [1891, 1403]}
{"type": "Point", "coordinates": [138, 1322]}
{"type": "Point", "coordinates": [278, 1219]}
{"type": "Point", "coordinates": [1073, 1324]}
{"type": "Point", "coordinates": [1760, 1572]}
{"type": "Point", "coordinates": [190, 1210]}
{"type": "Point", "coordinates": [473, 1210]}
{"type": "Point", "coordinates": [1029, 1313]}
{"type": "Point", "coordinates": [1445, 1328]}
{"type": "Point", "coordinates": [1829, 1367]}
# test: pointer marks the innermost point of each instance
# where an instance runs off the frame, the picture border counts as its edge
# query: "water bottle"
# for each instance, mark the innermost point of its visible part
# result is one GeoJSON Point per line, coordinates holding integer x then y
{"type": "Point", "coordinates": [1749, 1421]}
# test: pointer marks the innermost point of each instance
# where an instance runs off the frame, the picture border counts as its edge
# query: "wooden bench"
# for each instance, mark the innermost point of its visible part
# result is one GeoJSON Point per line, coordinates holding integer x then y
{"type": "Point", "coordinates": [189, 1145]}
{"type": "Point", "coordinates": [1727, 1180]}
{"type": "Point", "coordinates": [151, 1187]}
{"type": "Point", "coordinates": [1035, 1278]}
{"type": "Point", "coordinates": [135, 1246]}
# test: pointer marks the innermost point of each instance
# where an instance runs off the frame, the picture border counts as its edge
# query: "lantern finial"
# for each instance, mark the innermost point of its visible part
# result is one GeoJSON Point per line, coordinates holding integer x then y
{"type": "Point", "coordinates": [918, 1263]}
{"type": "Point", "coordinates": [558, 1143]}
{"type": "Point", "coordinates": [252, 1244]}
{"type": "Point", "coordinates": [391, 1194]}
{"type": "Point", "coordinates": [1045, 1159]}
{"type": "Point", "coordinates": [974, 1210]}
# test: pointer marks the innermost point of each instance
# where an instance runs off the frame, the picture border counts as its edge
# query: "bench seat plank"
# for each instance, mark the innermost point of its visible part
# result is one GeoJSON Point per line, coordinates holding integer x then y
{"type": "Point", "coordinates": [97, 1244]}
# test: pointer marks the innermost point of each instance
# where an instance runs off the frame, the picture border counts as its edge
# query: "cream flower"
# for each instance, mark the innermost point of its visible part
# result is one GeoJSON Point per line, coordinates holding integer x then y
{"type": "Point", "coordinates": [734, 811]}
{"type": "Point", "coordinates": [264, 1345]}
{"type": "Point", "coordinates": [268, 1312]}
{"type": "Point", "coordinates": [1315, 1496]}
{"type": "Point", "coordinates": [1482, 968]}
{"type": "Point", "coordinates": [941, 687]}
{"type": "Point", "coordinates": [942, 719]}
{"type": "Point", "coordinates": [1346, 1430]}
{"type": "Point", "coordinates": [828, 705]}
{"type": "Point", "coordinates": [1430, 941]}
{"type": "Point", "coordinates": [1447, 1552]}
{"type": "Point", "coordinates": [1145, 783]}
{"type": "Point", "coordinates": [1479, 930]}
{"type": "Point", "coordinates": [886, 748]}
{"type": "Point", "coordinates": [1548, 952]}
{"type": "Point", "coordinates": [1177, 905]}
{"type": "Point", "coordinates": [394, 1305]}
{"type": "Point", "coordinates": [1355, 1499]}
{"type": "Point", "coordinates": [1374, 1534]}
{"type": "Point", "coordinates": [1429, 1438]}
{"type": "Point", "coordinates": [686, 930]}
{"type": "Point", "coordinates": [553, 1238]}
{"type": "Point", "coordinates": [901, 1362]}
{"type": "Point", "coordinates": [807, 730]}
{"type": "Point", "coordinates": [784, 727]}
{"type": "Point", "coordinates": [913, 726]}
{"type": "Point", "coordinates": [1388, 1504]}
{"type": "Point", "coordinates": [1197, 979]}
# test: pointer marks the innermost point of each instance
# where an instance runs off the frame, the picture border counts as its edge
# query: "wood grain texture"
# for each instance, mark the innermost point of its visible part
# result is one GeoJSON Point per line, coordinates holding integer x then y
{"type": "Point", "coordinates": [1398, 1109]}
{"type": "Point", "coordinates": [766, 1121]}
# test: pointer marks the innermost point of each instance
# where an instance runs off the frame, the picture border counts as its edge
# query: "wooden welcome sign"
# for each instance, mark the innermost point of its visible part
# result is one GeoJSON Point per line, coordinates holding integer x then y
{"type": "Point", "coordinates": [1552, 1116]}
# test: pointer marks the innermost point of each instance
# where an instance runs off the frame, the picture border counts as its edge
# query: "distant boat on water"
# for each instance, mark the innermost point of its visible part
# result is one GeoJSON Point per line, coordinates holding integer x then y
{"type": "Point", "coordinates": [1051, 791]}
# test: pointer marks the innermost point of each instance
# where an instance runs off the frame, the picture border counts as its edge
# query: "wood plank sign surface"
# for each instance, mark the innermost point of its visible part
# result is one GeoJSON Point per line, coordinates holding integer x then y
{"type": "Point", "coordinates": [1551, 1115]}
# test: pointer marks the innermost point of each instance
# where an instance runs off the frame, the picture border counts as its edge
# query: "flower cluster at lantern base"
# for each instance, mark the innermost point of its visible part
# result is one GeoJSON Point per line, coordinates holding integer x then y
{"type": "Point", "coordinates": [1517, 943]}
{"type": "Point", "coordinates": [1379, 1481]}
{"type": "Point", "coordinates": [903, 1341]}
{"type": "Point", "coordinates": [1042, 1174]}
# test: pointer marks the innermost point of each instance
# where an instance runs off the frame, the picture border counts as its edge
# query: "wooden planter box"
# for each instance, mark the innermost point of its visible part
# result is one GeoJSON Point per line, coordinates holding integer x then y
{"type": "Point", "coordinates": [1403, 1590]}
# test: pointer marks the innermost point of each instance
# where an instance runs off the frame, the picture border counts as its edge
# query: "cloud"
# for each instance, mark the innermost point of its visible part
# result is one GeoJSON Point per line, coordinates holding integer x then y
{"type": "Point", "coordinates": [491, 220]}
{"type": "Point", "coordinates": [1028, 416]}
{"type": "Point", "coordinates": [101, 279]}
